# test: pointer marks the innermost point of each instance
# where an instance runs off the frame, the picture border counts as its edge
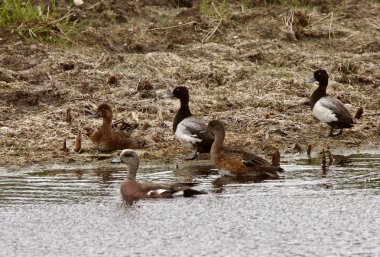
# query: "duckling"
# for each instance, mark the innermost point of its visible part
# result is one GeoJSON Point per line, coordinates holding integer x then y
{"type": "Point", "coordinates": [107, 139]}
{"type": "Point", "coordinates": [191, 132]}
{"type": "Point", "coordinates": [327, 108]}
{"type": "Point", "coordinates": [131, 189]}
{"type": "Point", "coordinates": [232, 166]}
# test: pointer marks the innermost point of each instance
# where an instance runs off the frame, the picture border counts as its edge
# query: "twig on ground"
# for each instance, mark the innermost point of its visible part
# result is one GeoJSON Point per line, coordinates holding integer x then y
{"type": "Point", "coordinates": [331, 20]}
{"type": "Point", "coordinates": [173, 27]}
{"type": "Point", "coordinates": [209, 35]}
{"type": "Point", "coordinates": [216, 10]}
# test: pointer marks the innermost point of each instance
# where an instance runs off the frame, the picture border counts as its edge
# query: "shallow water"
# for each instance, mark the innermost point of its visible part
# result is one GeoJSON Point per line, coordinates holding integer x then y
{"type": "Point", "coordinates": [309, 212]}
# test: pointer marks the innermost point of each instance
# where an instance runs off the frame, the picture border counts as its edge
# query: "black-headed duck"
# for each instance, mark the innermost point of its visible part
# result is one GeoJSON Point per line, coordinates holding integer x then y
{"type": "Point", "coordinates": [131, 189]}
{"type": "Point", "coordinates": [327, 108]}
{"type": "Point", "coordinates": [106, 138]}
{"type": "Point", "coordinates": [232, 166]}
{"type": "Point", "coordinates": [190, 131]}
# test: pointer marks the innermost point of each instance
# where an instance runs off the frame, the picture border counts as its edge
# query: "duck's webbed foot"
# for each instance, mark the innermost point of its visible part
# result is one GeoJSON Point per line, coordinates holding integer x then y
{"type": "Point", "coordinates": [332, 134]}
{"type": "Point", "coordinates": [192, 156]}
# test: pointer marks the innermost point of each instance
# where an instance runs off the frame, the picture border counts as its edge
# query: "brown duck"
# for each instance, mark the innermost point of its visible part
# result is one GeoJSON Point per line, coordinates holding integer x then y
{"type": "Point", "coordinates": [108, 139]}
{"type": "Point", "coordinates": [132, 190]}
{"type": "Point", "coordinates": [231, 165]}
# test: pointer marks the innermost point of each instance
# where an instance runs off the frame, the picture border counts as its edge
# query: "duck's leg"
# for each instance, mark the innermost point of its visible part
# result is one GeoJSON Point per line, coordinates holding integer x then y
{"type": "Point", "coordinates": [332, 134]}
{"type": "Point", "coordinates": [192, 156]}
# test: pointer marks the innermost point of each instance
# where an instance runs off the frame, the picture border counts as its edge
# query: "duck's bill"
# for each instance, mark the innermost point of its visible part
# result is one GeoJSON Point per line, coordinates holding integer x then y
{"type": "Point", "coordinates": [310, 80]}
{"type": "Point", "coordinates": [168, 96]}
{"type": "Point", "coordinates": [116, 160]}
{"type": "Point", "coordinates": [95, 115]}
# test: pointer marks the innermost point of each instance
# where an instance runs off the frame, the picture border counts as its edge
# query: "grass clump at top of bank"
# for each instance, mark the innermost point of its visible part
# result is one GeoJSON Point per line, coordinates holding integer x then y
{"type": "Point", "coordinates": [43, 22]}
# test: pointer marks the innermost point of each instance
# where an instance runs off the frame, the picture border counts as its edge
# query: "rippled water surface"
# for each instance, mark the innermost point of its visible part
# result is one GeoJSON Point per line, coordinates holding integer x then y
{"type": "Point", "coordinates": [309, 212]}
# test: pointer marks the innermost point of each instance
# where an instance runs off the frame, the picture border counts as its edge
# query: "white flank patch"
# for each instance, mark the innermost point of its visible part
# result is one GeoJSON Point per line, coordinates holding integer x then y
{"type": "Point", "coordinates": [78, 2]}
{"type": "Point", "coordinates": [226, 172]}
{"type": "Point", "coordinates": [185, 137]}
{"type": "Point", "coordinates": [156, 192]}
{"type": "Point", "coordinates": [323, 114]}
{"type": "Point", "coordinates": [178, 193]}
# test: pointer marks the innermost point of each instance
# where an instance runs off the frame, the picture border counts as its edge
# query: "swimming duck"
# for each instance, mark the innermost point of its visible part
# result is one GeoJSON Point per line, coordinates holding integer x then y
{"type": "Point", "coordinates": [131, 189]}
{"type": "Point", "coordinates": [231, 165]}
{"type": "Point", "coordinates": [191, 132]}
{"type": "Point", "coordinates": [107, 139]}
{"type": "Point", "coordinates": [327, 108]}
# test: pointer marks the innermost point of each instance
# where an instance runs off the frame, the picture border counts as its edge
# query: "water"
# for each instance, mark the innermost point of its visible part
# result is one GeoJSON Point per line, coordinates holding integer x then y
{"type": "Point", "coordinates": [310, 212]}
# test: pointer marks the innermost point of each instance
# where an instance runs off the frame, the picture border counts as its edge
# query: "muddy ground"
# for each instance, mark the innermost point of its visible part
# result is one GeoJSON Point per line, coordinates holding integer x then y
{"type": "Point", "coordinates": [250, 73]}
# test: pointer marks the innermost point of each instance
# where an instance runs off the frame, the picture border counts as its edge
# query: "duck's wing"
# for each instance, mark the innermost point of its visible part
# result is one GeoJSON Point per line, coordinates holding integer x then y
{"type": "Point", "coordinates": [249, 159]}
{"type": "Point", "coordinates": [194, 131]}
{"type": "Point", "coordinates": [338, 109]}
{"type": "Point", "coordinates": [169, 190]}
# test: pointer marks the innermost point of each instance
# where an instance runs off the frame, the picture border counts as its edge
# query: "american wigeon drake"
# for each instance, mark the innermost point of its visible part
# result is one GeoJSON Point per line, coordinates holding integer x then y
{"type": "Point", "coordinates": [327, 108]}
{"type": "Point", "coordinates": [131, 189]}
{"type": "Point", "coordinates": [190, 131]}
{"type": "Point", "coordinates": [233, 166]}
{"type": "Point", "coordinates": [106, 138]}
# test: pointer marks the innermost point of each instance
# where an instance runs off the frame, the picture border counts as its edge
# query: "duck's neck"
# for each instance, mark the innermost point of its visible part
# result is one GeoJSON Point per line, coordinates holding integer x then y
{"type": "Point", "coordinates": [132, 170]}
{"type": "Point", "coordinates": [107, 123]}
{"type": "Point", "coordinates": [318, 94]}
{"type": "Point", "coordinates": [183, 113]}
{"type": "Point", "coordinates": [217, 147]}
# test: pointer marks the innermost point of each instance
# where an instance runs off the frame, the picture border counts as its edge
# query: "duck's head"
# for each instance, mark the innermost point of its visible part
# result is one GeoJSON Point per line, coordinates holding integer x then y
{"type": "Point", "coordinates": [215, 127]}
{"type": "Point", "coordinates": [131, 159]}
{"type": "Point", "coordinates": [181, 93]}
{"type": "Point", "coordinates": [104, 111]}
{"type": "Point", "coordinates": [321, 76]}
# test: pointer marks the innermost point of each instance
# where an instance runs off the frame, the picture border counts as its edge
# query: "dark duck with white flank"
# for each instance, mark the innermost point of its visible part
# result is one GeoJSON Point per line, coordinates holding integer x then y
{"type": "Point", "coordinates": [327, 108]}
{"type": "Point", "coordinates": [190, 131]}
{"type": "Point", "coordinates": [231, 165]}
{"type": "Point", "coordinates": [132, 190]}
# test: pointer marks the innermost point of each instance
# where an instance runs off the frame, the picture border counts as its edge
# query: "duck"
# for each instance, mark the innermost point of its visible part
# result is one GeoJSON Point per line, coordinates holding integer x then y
{"type": "Point", "coordinates": [327, 108]}
{"type": "Point", "coordinates": [245, 164]}
{"type": "Point", "coordinates": [132, 190]}
{"type": "Point", "coordinates": [106, 138]}
{"type": "Point", "coordinates": [191, 132]}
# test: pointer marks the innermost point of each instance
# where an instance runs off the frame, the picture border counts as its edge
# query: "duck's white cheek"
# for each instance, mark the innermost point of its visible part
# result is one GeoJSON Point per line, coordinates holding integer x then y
{"type": "Point", "coordinates": [324, 114]}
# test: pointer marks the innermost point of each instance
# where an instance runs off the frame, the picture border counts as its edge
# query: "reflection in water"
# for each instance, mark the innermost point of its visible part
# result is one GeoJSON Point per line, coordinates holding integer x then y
{"type": "Point", "coordinates": [226, 180]}
{"type": "Point", "coordinates": [79, 212]}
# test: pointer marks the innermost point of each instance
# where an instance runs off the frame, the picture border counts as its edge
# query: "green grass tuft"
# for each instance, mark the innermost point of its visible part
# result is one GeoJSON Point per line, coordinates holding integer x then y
{"type": "Point", "coordinates": [40, 22]}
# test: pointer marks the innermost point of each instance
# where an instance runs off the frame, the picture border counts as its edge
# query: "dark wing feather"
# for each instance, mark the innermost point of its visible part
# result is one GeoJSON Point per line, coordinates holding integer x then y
{"type": "Point", "coordinates": [199, 129]}
{"type": "Point", "coordinates": [249, 159]}
{"type": "Point", "coordinates": [338, 108]}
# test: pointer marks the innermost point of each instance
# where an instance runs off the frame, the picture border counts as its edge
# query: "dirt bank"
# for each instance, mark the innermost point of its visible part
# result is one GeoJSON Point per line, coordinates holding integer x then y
{"type": "Point", "coordinates": [250, 73]}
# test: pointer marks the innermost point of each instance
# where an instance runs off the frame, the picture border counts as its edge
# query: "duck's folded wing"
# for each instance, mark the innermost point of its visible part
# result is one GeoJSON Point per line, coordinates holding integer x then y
{"type": "Point", "coordinates": [336, 106]}
{"type": "Point", "coordinates": [196, 128]}
{"type": "Point", "coordinates": [249, 159]}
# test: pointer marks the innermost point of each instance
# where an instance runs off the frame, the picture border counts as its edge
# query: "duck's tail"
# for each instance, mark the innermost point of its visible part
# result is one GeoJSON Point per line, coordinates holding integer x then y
{"type": "Point", "coordinates": [188, 192]}
{"type": "Point", "coordinates": [276, 157]}
{"type": "Point", "coordinates": [359, 113]}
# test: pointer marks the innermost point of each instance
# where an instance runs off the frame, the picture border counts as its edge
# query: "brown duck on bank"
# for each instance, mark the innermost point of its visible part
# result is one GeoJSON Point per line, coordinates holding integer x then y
{"type": "Point", "coordinates": [106, 138]}
{"type": "Point", "coordinates": [132, 190]}
{"type": "Point", "coordinates": [327, 108]}
{"type": "Point", "coordinates": [232, 166]}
